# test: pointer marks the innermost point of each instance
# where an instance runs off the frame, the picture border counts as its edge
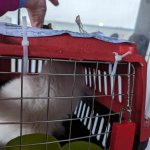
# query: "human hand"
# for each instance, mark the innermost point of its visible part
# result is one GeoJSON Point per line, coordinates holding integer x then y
{"type": "Point", "coordinates": [36, 11]}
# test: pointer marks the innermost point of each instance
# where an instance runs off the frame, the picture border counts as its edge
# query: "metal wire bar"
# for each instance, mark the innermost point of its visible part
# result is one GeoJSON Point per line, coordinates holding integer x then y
{"type": "Point", "coordinates": [48, 106]}
{"type": "Point", "coordinates": [53, 74]}
{"type": "Point", "coordinates": [21, 107]}
{"type": "Point", "coordinates": [110, 111]}
{"type": "Point", "coordinates": [62, 60]}
{"type": "Point", "coordinates": [60, 120]}
{"type": "Point", "coordinates": [72, 93]}
{"type": "Point", "coordinates": [65, 140]}
{"type": "Point", "coordinates": [129, 101]}
{"type": "Point", "coordinates": [63, 97]}
{"type": "Point", "coordinates": [93, 102]}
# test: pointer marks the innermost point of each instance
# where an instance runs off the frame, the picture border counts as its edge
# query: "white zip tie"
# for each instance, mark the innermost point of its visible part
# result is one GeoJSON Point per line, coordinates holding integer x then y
{"type": "Point", "coordinates": [25, 44]}
{"type": "Point", "coordinates": [117, 59]}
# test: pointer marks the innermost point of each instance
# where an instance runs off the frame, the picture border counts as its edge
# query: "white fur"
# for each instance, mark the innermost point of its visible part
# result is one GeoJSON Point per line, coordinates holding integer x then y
{"type": "Point", "coordinates": [36, 109]}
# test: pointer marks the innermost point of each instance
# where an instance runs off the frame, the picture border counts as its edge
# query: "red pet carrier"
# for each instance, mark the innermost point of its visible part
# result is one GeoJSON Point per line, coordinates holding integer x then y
{"type": "Point", "coordinates": [113, 116]}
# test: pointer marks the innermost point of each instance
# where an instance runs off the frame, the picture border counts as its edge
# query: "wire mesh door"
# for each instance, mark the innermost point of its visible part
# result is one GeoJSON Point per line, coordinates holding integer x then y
{"type": "Point", "coordinates": [72, 100]}
{"type": "Point", "coordinates": [70, 92]}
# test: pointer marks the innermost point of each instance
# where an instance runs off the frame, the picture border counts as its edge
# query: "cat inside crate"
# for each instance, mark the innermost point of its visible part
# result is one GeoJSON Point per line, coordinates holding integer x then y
{"type": "Point", "coordinates": [64, 84]}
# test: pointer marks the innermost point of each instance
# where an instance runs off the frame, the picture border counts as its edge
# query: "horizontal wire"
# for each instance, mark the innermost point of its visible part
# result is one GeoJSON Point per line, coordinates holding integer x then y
{"type": "Point", "coordinates": [60, 120]}
{"type": "Point", "coordinates": [65, 140]}
{"type": "Point", "coordinates": [64, 97]}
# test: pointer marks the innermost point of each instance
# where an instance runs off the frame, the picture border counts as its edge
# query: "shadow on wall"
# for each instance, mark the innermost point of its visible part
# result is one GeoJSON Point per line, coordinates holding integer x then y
{"type": "Point", "coordinates": [141, 42]}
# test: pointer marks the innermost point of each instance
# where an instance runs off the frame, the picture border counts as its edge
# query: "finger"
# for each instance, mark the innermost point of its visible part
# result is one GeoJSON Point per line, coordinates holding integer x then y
{"type": "Point", "coordinates": [54, 2]}
{"type": "Point", "coordinates": [36, 17]}
{"type": "Point", "coordinates": [37, 12]}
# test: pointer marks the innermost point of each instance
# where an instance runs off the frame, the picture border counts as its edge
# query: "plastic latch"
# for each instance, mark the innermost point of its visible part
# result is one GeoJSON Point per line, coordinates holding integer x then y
{"type": "Point", "coordinates": [122, 136]}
